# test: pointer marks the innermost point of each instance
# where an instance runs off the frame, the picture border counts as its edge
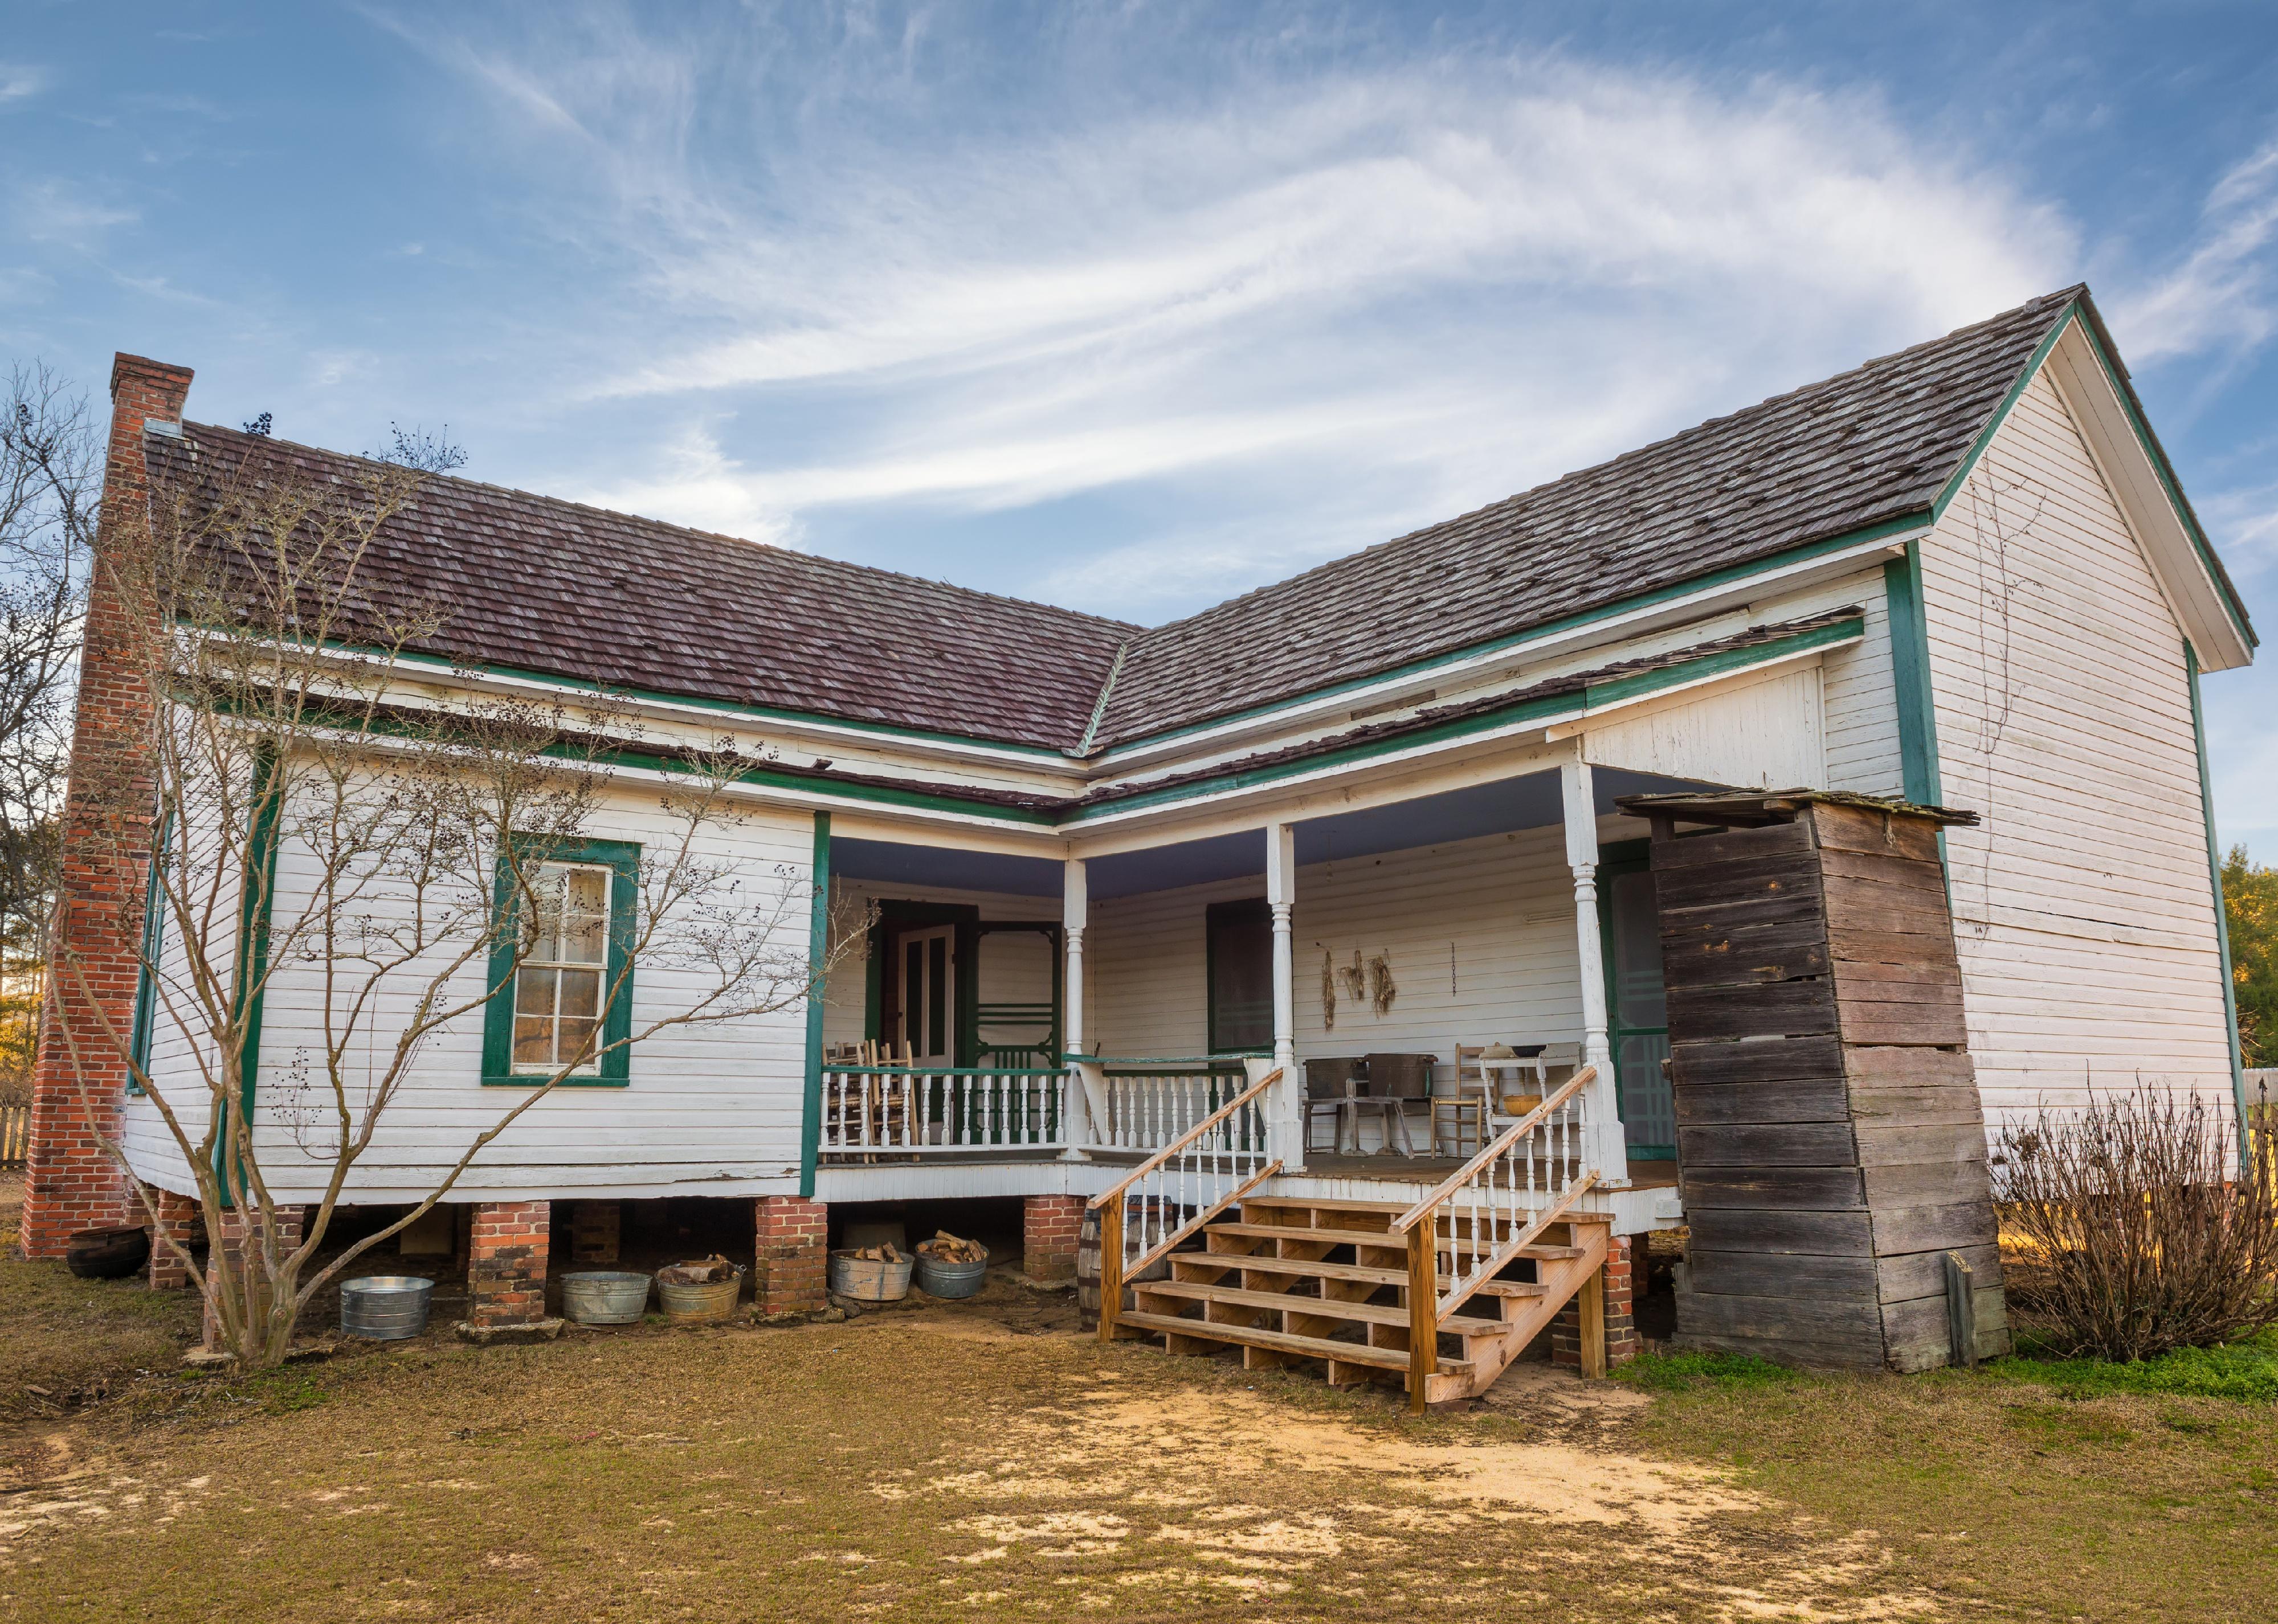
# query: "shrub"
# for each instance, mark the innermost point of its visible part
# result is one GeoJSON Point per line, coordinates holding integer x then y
{"type": "Point", "coordinates": [2142, 1231]}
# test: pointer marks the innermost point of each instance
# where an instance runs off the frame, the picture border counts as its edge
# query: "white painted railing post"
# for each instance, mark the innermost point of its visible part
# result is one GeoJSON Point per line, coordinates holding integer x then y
{"type": "Point", "coordinates": [1608, 1153]}
{"type": "Point", "coordinates": [1285, 1115]}
{"type": "Point", "coordinates": [1084, 1082]}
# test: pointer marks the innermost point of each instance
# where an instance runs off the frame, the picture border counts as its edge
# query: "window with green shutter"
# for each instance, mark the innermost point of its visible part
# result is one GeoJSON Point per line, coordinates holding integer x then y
{"type": "Point", "coordinates": [569, 1003]}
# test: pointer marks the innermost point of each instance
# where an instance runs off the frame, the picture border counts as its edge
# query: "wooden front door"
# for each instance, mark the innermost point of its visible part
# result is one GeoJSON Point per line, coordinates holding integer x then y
{"type": "Point", "coordinates": [925, 967]}
{"type": "Point", "coordinates": [1637, 1007]}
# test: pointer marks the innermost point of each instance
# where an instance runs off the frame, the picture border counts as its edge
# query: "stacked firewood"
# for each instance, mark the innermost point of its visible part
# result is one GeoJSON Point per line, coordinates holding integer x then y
{"type": "Point", "coordinates": [947, 1248]}
{"type": "Point", "coordinates": [883, 1252]}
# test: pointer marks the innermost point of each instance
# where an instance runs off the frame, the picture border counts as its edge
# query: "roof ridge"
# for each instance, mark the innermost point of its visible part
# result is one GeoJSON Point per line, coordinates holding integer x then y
{"type": "Point", "coordinates": [2058, 299]}
{"type": "Point", "coordinates": [517, 494]}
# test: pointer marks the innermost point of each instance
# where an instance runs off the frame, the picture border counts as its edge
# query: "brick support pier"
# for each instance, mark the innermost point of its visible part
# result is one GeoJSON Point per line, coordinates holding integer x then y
{"type": "Point", "coordinates": [79, 1082]}
{"type": "Point", "coordinates": [791, 1243]}
{"type": "Point", "coordinates": [594, 1228]}
{"type": "Point", "coordinates": [233, 1234]}
{"type": "Point", "coordinates": [178, 1216]}
{"type": "Point", "coordinates": [1048, 1228]}
{"type": "Point", "coordinates": [505, 1263]}
{"type": "Point", "coordinates": [1621, 1322]}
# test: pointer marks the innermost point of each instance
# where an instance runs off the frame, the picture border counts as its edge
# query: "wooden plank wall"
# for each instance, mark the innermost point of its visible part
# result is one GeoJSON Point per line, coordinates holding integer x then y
{"type": "Point", "coordinates": [1830, 1146]}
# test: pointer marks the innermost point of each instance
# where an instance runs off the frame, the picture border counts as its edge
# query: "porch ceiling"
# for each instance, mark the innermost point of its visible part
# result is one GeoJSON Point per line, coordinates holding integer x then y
{"type": "Point", "coordinates": [1528, 802]}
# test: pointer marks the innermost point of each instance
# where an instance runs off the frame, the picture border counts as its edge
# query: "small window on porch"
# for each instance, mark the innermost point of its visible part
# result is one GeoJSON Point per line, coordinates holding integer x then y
{"type": "Point", "coordinates": [1240, 971]}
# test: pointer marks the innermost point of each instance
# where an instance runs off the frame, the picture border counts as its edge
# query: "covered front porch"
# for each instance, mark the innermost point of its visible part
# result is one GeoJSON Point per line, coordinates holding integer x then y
{"type": "Point", "coordinates": [1010, 1020]}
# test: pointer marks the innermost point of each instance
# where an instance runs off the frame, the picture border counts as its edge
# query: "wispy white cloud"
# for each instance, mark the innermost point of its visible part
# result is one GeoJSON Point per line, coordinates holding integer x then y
{"type": "Point", "coordinates": [19, 81]}
{"type": "Point", "coordinates": [56, 212]}
{"type": "Point", "coordinates": [1372, 297]}
{"type": "Point", "coordinates": [2225, 292]}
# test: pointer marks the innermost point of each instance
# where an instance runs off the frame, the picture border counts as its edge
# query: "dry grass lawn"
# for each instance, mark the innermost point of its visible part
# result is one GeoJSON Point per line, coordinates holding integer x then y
{"type": "Point", "coordinates": [986, 1462]}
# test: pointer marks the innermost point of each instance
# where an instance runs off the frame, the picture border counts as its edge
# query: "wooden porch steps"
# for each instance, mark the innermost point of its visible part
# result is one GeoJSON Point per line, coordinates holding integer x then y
{"type": "Point", "coordinates": [1293, 1280]}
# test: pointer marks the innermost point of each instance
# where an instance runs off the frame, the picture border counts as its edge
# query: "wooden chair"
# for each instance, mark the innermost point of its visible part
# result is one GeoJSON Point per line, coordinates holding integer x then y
{"type": "Point", "coordinates": [1331, 1091]}
{"type": "Point", "coordinates": [1395, 1083]}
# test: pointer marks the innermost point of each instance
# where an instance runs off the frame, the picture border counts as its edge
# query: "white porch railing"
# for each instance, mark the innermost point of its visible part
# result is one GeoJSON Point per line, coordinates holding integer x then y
{"type": "Point", "coordinates": [1495, 1206]}
{"type": "Point", "coordinates": [868, 1110]}
{"type": "Point", "coordinates": [1179, 1188]}
{"type": "Point", "coordinates": [1144, 1106]}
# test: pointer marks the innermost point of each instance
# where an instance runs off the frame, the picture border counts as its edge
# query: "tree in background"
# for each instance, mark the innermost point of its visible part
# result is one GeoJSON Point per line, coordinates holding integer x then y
{"type": "Point", "coordinates": [2249, 900]}
{"type": "Point", "coordinates": [50, 482]}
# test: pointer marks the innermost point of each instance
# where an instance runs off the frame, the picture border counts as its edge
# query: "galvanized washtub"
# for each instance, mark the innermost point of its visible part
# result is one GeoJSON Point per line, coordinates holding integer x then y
{"type": "Point", "coordinates": [385, 1307]}
{"type": "Point", "coordinates": [605, 1296]}
{"type": "Point", "coordinates": [697, 1302]}
{"type": "Point", "coordinates": [939, 1279]}
{"type": "Point", "coordinates": [870, 1280]}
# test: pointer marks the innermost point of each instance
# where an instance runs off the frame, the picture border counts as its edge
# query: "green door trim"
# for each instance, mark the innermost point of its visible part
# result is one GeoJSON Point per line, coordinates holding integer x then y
{"type": "Point", "coordinates": [1615, 860]}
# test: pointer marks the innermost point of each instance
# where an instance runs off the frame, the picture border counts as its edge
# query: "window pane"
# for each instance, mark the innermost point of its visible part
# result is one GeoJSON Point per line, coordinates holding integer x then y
{"type": "Point", "coordinates": [533, 1041]}
{"type": "Point", "coordinates": [585, 924]}
{"type": "Point", "coordinates": [581, 993]}
{"type": "Point", "coordinates": [576, 1038]}
{"type": "Point", "coordinates": [533, 992]}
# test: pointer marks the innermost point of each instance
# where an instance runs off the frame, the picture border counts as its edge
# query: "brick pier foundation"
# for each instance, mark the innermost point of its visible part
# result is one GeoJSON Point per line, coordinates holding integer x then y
{"type": "Point", "coordinates": [790, 1243]}
{"type": "Point", "coordinates": [507, 1250]}
{"type": "Point", "coordinates": [178, 1216]}
{"type": "Point", "coordinates": [1621, 1322]}
{"type": "Point", "coordinates": [1048, 1228]}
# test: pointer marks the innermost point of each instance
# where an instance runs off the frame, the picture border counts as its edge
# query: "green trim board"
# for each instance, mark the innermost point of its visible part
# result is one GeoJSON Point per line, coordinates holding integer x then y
{"type": "Point", "coordinates": [2215, 879]}
{"type": "Point", "coordinates": [623, 860]}
{"type": "Point", "coordinates": [146, 973]}
{"type": "Point", "coordinates": [817, 962]}
{"type": "Point", "coordinates": [1917, 707]}
{"type": "Point", "coordinates": [250, 974]}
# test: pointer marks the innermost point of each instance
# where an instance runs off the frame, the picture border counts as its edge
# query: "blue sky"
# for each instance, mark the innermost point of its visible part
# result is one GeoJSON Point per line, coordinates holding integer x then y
{"type": "Point", "coordinates": [1135, 306]}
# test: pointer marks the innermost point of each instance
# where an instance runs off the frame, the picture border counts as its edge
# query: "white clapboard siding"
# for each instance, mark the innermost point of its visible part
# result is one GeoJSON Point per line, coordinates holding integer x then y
{"type": "Point", "coordinates": [177, 1044]}
{"type": "Point", "coordinates": [1760, 735]}
{"type": "Point", "coordinates": [2083, 913]}
{"type": "Point", "coordinates": [1480, 934]}
{"type": "Point", "coordinates": [710, 1109]}
{"type": "Point", "coordinates": [1009, 973]}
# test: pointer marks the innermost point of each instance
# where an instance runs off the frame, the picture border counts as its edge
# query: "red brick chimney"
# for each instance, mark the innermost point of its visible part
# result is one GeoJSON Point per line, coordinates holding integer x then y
{"type": "Point", "coordinates": [73, 1183]}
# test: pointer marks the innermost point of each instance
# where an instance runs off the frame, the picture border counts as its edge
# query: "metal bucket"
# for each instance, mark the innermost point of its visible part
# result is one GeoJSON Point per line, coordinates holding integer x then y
{"type": "Point", "coordinates": [700, 1305]}
{"type": "Point", "coordinates": [870, 1280]}
{"type": "Point", "coordinates": [605, 1296]}
{"type": "Point", "coordinates": [951, 1279]}
{"type": "Point", "coordinates": [385, 1307]}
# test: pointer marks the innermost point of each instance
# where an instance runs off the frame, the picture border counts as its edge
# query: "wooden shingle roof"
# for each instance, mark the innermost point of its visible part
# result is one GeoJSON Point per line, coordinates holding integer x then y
{"type": "Point", "coordinates": [548, 586]}
{"type": "Point", "coordinates": [1875, 443]}
{"type": "Point", "coordinates": [538, 584]}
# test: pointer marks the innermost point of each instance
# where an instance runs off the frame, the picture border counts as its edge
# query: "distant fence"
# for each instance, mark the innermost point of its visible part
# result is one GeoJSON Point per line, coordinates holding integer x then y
{"type": "Point", "coordinates": [15, 1135]}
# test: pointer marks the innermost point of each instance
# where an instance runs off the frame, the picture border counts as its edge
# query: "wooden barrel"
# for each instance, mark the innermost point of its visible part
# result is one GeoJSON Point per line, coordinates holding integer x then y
{"type": "Point", "coordinates": [1087, 1266]}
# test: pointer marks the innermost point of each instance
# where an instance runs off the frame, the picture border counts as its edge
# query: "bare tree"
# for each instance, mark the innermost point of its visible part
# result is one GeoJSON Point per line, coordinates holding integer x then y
{"type": "Point", "coordinates": [50, 480]}
{"type": "Point", "coordinates": [394, 846]}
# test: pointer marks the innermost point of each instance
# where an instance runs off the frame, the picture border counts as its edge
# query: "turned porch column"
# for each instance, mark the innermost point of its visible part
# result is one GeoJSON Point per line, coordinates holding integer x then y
{"type": "Point", "coordinates": [1075, 907]}
{"type": "Point", "coordinates": [1610, 1150]}
{"type": "Point", "coordinates": [1286, 1114]}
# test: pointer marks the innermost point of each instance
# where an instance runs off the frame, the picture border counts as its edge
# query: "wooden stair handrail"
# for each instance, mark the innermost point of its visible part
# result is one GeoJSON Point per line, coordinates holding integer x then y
{"type": "Point", "coordinates": [1186, 1138]}
{"type": "Point", "coordinates": [1469, 1170]}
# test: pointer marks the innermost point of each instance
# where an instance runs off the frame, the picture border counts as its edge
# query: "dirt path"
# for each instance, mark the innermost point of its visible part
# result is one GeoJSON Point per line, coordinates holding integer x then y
{"type": "Point", "coordinates": [954, 1463]}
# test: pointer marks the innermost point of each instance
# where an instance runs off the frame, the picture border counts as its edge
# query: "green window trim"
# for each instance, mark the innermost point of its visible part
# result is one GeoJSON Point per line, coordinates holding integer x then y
{"type": "Point", "coordinates": [146, 977]}
{"type": "Point", "coordinates": [622, 858]}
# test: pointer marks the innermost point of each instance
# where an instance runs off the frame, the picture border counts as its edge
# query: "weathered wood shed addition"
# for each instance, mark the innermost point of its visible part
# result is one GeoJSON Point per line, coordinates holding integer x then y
{"type": "Point", "coordinates": [1831, 1144]}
